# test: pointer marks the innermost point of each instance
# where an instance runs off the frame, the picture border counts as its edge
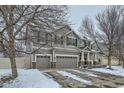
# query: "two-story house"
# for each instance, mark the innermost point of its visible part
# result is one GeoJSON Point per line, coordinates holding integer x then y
{"type": "Point", "coordinates": [63, 48]}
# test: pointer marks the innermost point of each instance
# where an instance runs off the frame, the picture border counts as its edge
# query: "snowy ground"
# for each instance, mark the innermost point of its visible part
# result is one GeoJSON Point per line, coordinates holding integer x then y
{"type": "Point", "coordinates": [74, 77]}
{"type": "Point", "coordinates": [116, 70]}
{"type": "Point", "coordinates": [29, 79]}
{"type": "Point", "coordinates": [87, 73]}
{"type": "Point", "coordinates": [5, 72]}
{"type": "Point", "coordinates": [121, 87]}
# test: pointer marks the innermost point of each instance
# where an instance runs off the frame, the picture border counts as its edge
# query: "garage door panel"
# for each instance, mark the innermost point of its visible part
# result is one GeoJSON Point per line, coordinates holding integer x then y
{"type": "Point", "coordinates": [43, 62]}
{"type": "Point", "coordinates": [66, 62]}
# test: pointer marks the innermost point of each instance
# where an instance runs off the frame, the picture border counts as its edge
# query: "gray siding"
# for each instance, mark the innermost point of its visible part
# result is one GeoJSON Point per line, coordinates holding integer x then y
{"type": "Point", "coordinates": [62, 31]}
{"type": "Point", "coordinates": [67, 52]}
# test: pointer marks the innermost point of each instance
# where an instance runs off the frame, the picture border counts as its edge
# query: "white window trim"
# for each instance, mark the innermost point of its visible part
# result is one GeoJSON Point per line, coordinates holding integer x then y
{"type": "Point", "coordinates": [42, 48]}
{"type": "Point", "coordinates": [67, 48]}
{"type": "Point", "coordinates": [71, 46]}
{"type": "Point", "coordinates": [66, 55]}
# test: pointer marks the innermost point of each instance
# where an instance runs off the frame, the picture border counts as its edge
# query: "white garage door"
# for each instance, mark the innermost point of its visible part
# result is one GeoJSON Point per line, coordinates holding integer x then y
{"type": "Point", "coordinates": [66, 62]}
{"type": "Point", "coordinates": [43, 62]}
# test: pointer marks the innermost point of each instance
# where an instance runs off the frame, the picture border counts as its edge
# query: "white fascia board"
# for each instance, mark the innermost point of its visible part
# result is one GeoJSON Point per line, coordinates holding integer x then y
{"type": "Point", "coordinates": [42, 48]}
{"type": "Point", "coordinates": [66, 48]}
{"type": "Point", "coordinates": [42, 55]}
{"type": "Point", "coordinates": [66, 55]}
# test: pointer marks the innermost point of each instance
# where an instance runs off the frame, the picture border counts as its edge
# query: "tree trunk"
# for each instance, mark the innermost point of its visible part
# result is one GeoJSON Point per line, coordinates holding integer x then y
{"type": "Point", "coordinates": [109, 55]}
{"type": "Point", "coordinates": [11, 45]}
{"type": "Point", "coordinates": [1, 42]}
{"type": "Point", "coordinates": [123, 64]}
{"type": "Point", "coordinates": [13, 67]}
{"type": "Point", "coordinates": [119, 56]}
{"type": "Point", "coordinates": [109, 60]}
{"type": "Point", "coordinates": [2, 48]}
{"type": "Point", "coordinates": [12, 55]}
{"type": "Point", "coordinates": [119, 63]}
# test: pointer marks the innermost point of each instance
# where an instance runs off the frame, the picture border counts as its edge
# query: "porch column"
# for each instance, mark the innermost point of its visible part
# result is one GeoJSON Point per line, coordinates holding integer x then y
{"type": "Point", "coordinates": [65, 41]}
{"type": "Point", "coordinates": [34, 61]}
{"type": "Point", "coordinates": [53, 55]}
{"type": "Point", "coordinates": [88, 59]}
{"type": "Point", "coordinates": [82, 56]}
{"type": "Point", "coordinates": [88, 56]}
{"type": "Point", "coordinates": [101, 57]}
{"type": "Point", "coordinates": [95, 55]}
{"type": "Point", "coordinates": [53, 59]}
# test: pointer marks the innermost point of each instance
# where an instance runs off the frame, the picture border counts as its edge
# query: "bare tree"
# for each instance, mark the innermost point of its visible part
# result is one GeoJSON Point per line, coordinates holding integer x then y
{"type": "Point", "coordinates": [108, 22]}
{"type": "Point", "coordinates": [88, 31]}
{"type": "Point", "coordinates": [87, 28]}
{"type": "Point", "coordinates": [15, 19]}
{"type": "Point", "coordinates": [119, 46]}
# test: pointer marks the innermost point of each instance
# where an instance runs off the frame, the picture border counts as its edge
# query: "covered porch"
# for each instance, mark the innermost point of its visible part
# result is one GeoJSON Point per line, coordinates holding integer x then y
{"type": "Point", "coordinates": [90, 58]}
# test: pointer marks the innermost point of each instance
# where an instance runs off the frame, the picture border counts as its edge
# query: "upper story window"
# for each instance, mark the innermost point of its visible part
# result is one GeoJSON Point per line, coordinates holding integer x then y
{"type": "Point", "coordinates": [40, 36]}
{"type": "Point", "coordinates": [58, 39]}
{"type": "Point", "coordinates": [71, 41]}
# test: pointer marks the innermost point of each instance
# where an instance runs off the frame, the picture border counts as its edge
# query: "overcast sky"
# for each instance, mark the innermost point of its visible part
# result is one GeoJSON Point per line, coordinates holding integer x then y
{"type": "Point", "coordinates": [77, 12]}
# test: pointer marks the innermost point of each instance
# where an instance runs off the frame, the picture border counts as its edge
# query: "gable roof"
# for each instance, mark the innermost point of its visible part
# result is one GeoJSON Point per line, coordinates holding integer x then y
{"type": "Point", "coordinates": [69, 28]}
{"type": "Point", "coordinates": [61, 27]}
{"type": "Point", "coordinates": [87, 48]}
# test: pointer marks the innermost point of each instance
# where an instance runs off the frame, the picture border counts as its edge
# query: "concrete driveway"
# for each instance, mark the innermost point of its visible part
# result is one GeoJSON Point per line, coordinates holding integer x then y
{"type": "Point", "coordinates": [84, 78]}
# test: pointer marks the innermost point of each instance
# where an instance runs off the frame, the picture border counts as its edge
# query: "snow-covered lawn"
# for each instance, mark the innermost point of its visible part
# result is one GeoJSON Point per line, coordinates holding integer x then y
{"type": "Point", "coordinates": [5, 72]}
{"type": "Point", "coordinates": [116, 70]}
{"type": "Point", "coordinates": [74, 77]}
{"type": "Point", "coordinates": [31, 78]}
{"type": "Point", "coordinates": [121, 87]}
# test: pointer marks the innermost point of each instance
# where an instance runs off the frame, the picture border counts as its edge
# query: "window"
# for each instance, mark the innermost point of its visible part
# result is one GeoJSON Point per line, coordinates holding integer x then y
{"type": "Point", "coordinates": [71, 41]}
{"type": "Point", "coordinates": [34, 36]}
{"type": "Point", "coordinates": [58, 39]}
{"type": "Point", "coordinates": [42, 37]}
{"type": "Point", "coordinates": [48, 37]}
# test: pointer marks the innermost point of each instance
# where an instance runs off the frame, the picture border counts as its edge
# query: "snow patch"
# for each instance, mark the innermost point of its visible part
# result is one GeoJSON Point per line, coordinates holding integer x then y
{"type": "Point", "coordinates": [116, 70]}
{"type": "Point", "coordinates": [74, 77]}
{"type": "Point", "coordinates": [5, 72]}
{"type": "Point", "coordinates": [87, 73]}
{"type": "Point", "coordinates": [121, 87]}
{"type": "Point", "coordinates": [29, 79]}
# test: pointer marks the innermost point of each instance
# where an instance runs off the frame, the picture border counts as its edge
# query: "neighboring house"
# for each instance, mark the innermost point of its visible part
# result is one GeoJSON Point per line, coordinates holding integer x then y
{"type": "Point", "coordinates": [104, 52]}
{"type": "Point", "coordinates": [63, 48]}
